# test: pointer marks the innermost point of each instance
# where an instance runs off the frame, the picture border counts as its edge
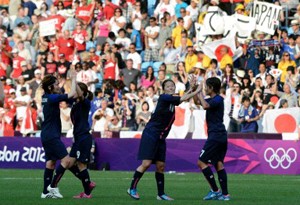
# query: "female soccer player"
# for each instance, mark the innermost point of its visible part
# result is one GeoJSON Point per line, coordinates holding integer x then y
{"type": "Point", "coordinates": [215, 148]}
{"type": "Point", "coordinates": [81, 148]}
{"type": "Point", "coordinates": [153, 144]}
{"type": "Point", "coordinates": [51, 133]}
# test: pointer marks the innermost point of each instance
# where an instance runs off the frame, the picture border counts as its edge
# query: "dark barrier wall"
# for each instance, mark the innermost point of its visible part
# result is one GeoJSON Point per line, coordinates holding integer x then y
{"type": "Point", "coordinates": [244, 155]}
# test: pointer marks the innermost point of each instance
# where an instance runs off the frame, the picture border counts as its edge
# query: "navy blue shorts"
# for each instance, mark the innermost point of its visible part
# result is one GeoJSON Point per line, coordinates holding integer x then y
{"type": "Point", "coordinates": [152, 148]}
{"type": "Point", "coordinates": [81, 149]}
{"type": "Point", "coordinates": [54, 150]}
{"type": "Point", "coordinates": [213, 152]}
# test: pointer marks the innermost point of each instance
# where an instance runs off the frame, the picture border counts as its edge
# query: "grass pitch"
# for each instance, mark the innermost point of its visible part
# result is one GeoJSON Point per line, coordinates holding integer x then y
{"type": "Point", "coordinates": [23, 187]}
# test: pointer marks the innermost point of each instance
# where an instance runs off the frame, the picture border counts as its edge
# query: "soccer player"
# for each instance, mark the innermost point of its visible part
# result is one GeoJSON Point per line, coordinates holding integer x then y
{"type": "Point", "coordinates": [51, 133]}
{"type": "Point", "coordinates": [81, 148]}
{"type": "Point", "coordinates": [152, 147]}
{"type": "Point", "coordinates": [215, 147]}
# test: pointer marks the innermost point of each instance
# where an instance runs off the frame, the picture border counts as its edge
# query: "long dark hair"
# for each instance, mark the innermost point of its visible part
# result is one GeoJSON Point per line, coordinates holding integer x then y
{"type": "Point", "coordinates": [48, 83]}
{"type": "Point", "coordinates": [86, 93]}
{"type": "Point", "coordinates": [152, 74]}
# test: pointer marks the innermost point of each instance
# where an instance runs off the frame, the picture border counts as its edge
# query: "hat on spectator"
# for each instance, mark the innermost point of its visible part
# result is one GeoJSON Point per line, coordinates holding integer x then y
{"type": "Point", "coordinates": [8, 81]}
{"type": "Point", "coordinates": [239, 7]}
{"type": "Point", "coordinates": [240, 73]}
{"type": "Point", "coordinates": [294, 22]}
{"type": "Point", "coordinates": [37, 12]}
{"type": "Point", "coordinates": [14, 50]}
{"type": "Point", "coordinates": [23, 63]}
{"type": "Point", "coordinates": [196, 1]}
{"type": "Point", "coordinates": [259, 33]}
{"type": "Point", "coordinates": [3, 78]}
{"type": "Point", "coordinates": [37, 71]}
{"type": "Point", "coordinates": [23, 89]}
{"type": "Point", "coordinates": [61, 55]}
{"type": "Point", "coordinates": [12, 91]}
{"type": "Point", "coordinates": [216, 1]}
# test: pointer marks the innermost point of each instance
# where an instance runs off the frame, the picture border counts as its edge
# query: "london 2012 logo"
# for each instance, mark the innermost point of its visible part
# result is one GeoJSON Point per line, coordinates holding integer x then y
{"type": "Point", "coordinates": [280, 157]}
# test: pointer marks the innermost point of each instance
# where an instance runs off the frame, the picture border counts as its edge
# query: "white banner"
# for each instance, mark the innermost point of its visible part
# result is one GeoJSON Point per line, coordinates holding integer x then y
{"type": "Point", "coordinates": [200, 37]}
{"type": "Point", "coordinates": [266, 15]}
{"type": "Point", "coordinates": [47, 28]}
{"type": "Point", "coordinates": [213, 21]}
{"type": "Point", "coordinates": [281, 120]}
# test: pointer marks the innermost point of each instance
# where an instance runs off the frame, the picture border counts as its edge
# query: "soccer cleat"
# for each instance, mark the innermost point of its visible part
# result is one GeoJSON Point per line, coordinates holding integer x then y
{"type": "Point", "coordinates": [82, 195]}
{"type": "Point", "coordinates": [55, 192]}
{"type": "Point", "coordinates": [48, 196]}
{"type": "Point", "coordinates": [133, 193]}
{"type": "Point", "coordinates": [212, 195]}
{"type": "Point", "coordinates": [92, 186]}
{"type": "Point", "coordinates": [164, 197]}
{"type": "Point", "coordinates": [224, 197]}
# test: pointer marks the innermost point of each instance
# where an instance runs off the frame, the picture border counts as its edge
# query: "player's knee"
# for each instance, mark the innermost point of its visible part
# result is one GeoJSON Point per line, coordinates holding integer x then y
{"type": "Point", "coordinates": [201, 164]}
{"type": "Point", "coordinates": [146, 165]}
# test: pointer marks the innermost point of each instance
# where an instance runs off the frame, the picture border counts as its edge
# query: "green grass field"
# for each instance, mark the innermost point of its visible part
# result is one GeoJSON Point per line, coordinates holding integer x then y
{"type": "Point", "coordinates": [23, 187]}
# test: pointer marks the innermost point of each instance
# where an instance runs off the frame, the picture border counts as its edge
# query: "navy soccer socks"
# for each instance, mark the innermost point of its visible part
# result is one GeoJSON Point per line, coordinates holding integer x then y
{"type": "Point", "coordinates": [75, 170]}
{"type": "Point", "coordinates": [59, 172]}
{"type": "Point", "coordinates": [48, 174]}
{"type": "Point", "coordinates": [210, 178]}
{"type": "Point", "coordinates": [222, 175]}
{"type": "Point", "coordinates": [160, 182]}
{"type": "Point", "coordinates": [135, 180]}
{"type": "Point", "coordinates": [85, 179]}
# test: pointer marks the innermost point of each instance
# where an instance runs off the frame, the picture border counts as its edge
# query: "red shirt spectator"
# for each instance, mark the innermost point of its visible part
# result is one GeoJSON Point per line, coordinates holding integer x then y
{"type": "Point", "coordinates": [66, 45]}
{"type": "Point", "coordinates": [5, 50]}
{"type": "Point", "coordinates": [53, 47]}
{"type": "Point", "coordinates": [110, 70]}
{"type": "Point", "coordinates": [85, 12]}
{"type": "Point", "coordinates": [59, 20]}
{"type": "Point", "coordinates": [109, 9]}
{"type": "Point", "coordinates": [80, 36]}
{"type": "Point", "coordinates": [17, 68]}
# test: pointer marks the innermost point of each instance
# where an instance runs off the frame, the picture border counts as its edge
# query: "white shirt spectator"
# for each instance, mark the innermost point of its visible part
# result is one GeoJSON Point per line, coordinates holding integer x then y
{"type": "Point", "coordinates": [86, 76]}
{"type": "Point", "coordinates": [136, 58]}
{"type": "Point", "coordinates": [114, 27]}
{"type": "Point", "coordinates": [21, 110]}
{"type": "Point", "coordinates": [153, 43]}
{"type": "Point", "coordinates": [194, 12]}
{"type": "Point", "coordinates": [123, 41]}
{"type": "Point", "coordinates": [179, 86]}
{"type": "Point", "coordinates": [162, 8]}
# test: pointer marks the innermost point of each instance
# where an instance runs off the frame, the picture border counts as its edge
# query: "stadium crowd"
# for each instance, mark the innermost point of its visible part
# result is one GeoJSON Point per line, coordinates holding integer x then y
{"type": "Point", "coordinates": [124, 50]}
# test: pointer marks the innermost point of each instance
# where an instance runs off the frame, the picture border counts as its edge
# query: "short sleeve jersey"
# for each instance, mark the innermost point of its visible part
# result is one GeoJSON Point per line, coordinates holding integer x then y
{"type": "Point", "coordinates": [51, 126]}
{"type": "Point", "coordinates": [163, 116]}
{"type": "Point", "coordinates": [214, 119]}
{"type": "Point", "coordinates": [79, 116]}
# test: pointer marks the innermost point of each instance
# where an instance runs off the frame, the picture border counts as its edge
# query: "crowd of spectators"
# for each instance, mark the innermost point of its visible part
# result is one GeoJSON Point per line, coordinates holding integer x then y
{"type": "Point", "coordinates": [124, 50]}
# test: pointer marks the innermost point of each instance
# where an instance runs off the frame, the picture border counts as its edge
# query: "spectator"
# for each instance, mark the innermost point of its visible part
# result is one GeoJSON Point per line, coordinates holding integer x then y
{"type": "Point", "coordinates": [21, 103]}
{"type": "Point", "coordinates": [248, 117]}
{"type": "Point", "coordinates": [283, 64]}
{"type": "Point", "coordinates": [101, 116]}
{"type": "Point", "coordinates": [87, 76]}
{"type": "Point", "coordinates": [179, 86]}
{"type": "Point", "coordinates": [148, 79]}
{"type": "Point", "coordinates": [65, 117]}
{"type": "Point", "coordinates": [117, 22]}
{"type": "Point", "coordinates": [129, 74]}
{"type": "Point", "coordinates": [135, 57]}
{"type": "Point", "coordinates": [33, 86]}
{"type": "Point", "coordinates": [151, 41]}
{"type": "Point", "coordinates": [29, 7]}
{"type": "Point", "coordinates": [135, 37]}
{"type": "Point", "coordinates": [288, 95]}
{"type": "Point", "coordinates": [143, 117]}
{"type": "Point", "coordinates": [102, 28]}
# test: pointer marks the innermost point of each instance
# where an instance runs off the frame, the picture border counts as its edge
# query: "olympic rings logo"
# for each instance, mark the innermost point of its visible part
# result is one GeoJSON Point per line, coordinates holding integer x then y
{"type": "Point", "coordinates": [280, 157]}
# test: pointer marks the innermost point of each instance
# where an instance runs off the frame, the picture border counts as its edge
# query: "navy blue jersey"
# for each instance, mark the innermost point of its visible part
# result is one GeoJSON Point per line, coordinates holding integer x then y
{"type": "Point", "coordinates": [51, 126]}
{"type": "Point", "coordinates": [214, 119]}
{"type": "Point", "coordinates": [79, 116]}
{"type": "Point", "coordinates": [163, 116]}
